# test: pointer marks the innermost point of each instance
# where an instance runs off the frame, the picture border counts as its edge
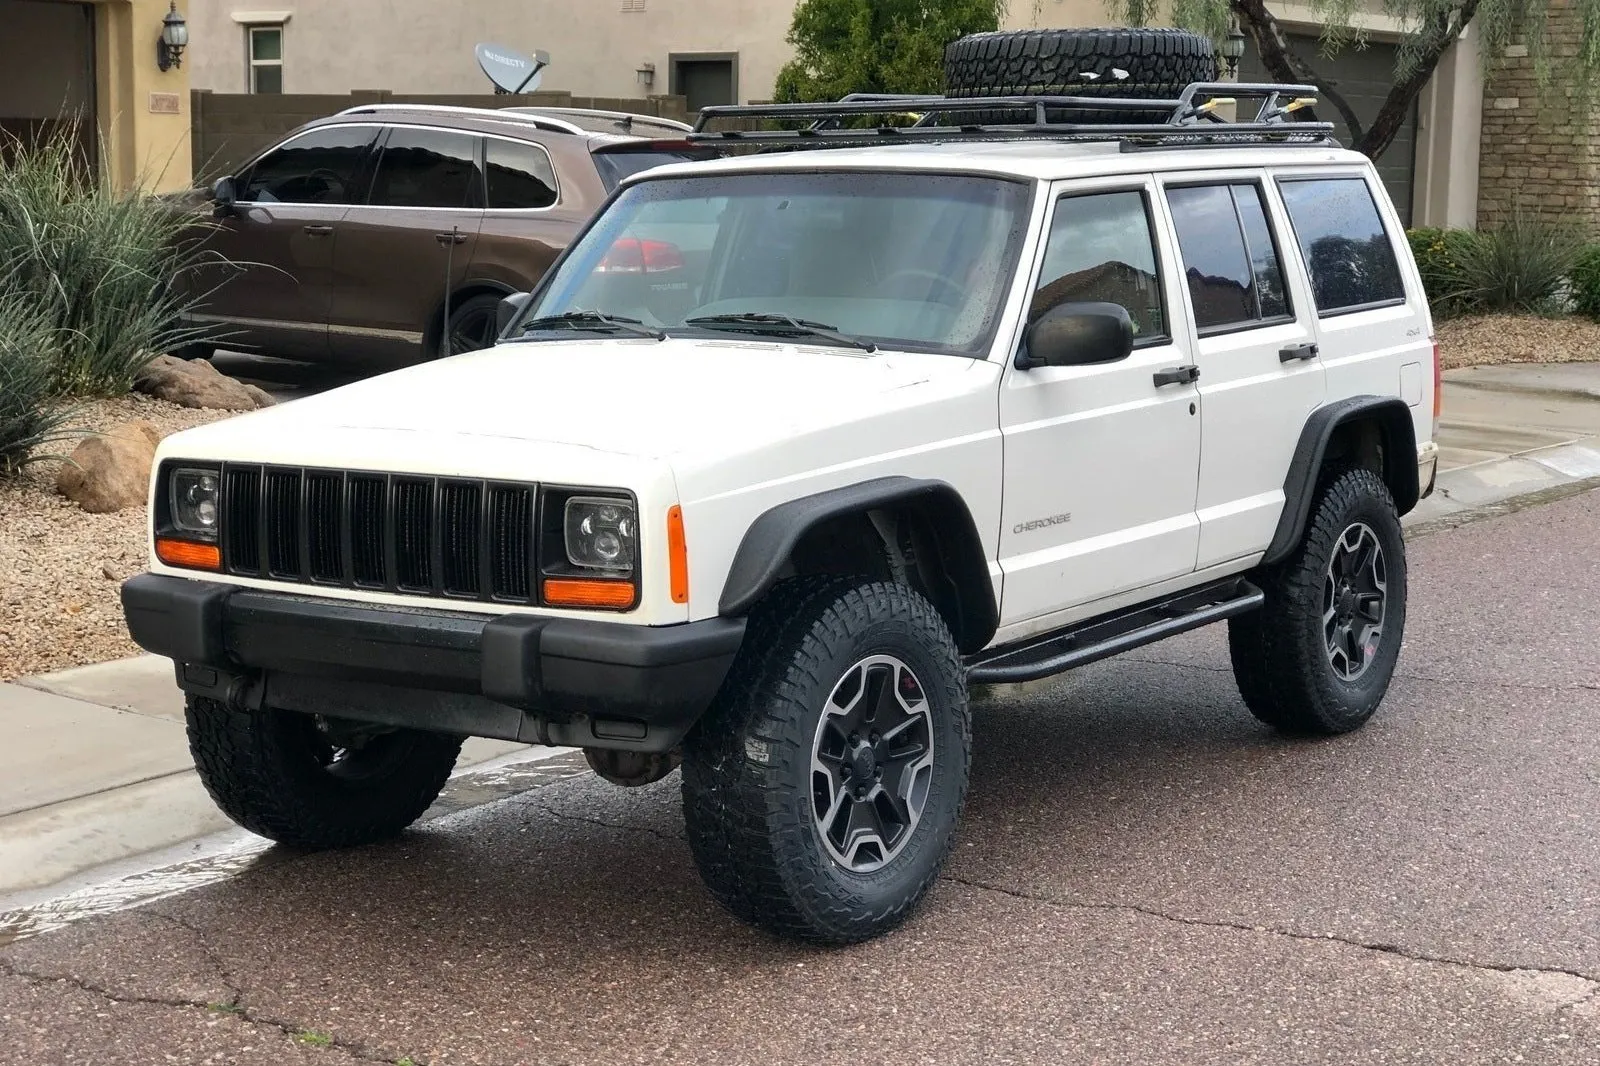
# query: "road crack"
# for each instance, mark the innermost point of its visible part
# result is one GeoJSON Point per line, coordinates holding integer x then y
{"type": "Point", "coordinates": [1510, 686]}
{"type": "Point", "coordinates": [237, 1010]}
{"type": "Point", "coordinates": [562, 816]}
{"type": "Point", "coordinates": [1318, 938]}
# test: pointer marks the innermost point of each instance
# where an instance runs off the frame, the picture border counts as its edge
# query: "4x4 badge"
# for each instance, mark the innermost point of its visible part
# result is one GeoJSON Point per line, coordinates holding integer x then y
{"type": "Point", "coordinates": [1042, 523]}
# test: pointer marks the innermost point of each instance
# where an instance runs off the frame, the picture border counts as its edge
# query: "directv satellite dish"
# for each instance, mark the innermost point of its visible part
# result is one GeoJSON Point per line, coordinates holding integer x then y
{"type": "Point", "coordinates": [510, 70]}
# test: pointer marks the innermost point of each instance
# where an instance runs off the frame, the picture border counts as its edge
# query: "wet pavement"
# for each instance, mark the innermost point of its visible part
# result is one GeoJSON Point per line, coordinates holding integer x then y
{"type": "Point", "coordinates": [1143, 875]}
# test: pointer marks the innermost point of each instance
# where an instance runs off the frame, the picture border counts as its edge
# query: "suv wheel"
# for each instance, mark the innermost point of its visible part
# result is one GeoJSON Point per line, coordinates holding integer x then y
{"type": "Point", "coordinates": [1318, 657]}
{"type": "Point", "coordinates": [296, 779]}
{"type": "Point", "coordinates": [822, 790]}
{"type": "Point", "coordinates": [474, 324]}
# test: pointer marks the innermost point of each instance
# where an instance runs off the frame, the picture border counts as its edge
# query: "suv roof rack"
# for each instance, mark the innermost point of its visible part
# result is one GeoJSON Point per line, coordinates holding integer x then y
{"type": "Point", "coordinates": [542, 122]}
{"type": "Point", "coordinates": [622, 117]}
{"type": "Point", "coordinates": [1191, 119]}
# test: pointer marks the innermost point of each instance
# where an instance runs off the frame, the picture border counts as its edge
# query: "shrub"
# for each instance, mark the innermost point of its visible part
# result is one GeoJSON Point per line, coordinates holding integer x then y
{"type": "Point", "coordinates": [1439, 254]}
{"type": "Point", "coordinates": [99, 264]}
{"type": "Point", "coordinates": [1520, 265]}
{"type": "Point", "coordinates": [30, 414]}
{"type": "Point", "coordinates": [1586, 282]}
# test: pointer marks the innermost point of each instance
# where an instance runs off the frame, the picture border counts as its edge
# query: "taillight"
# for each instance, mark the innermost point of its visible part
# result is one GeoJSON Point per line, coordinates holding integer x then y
{"type": "Point", "coordinates": [635, 255]}
{"type": "Point", "coordinates": [1438, 390]}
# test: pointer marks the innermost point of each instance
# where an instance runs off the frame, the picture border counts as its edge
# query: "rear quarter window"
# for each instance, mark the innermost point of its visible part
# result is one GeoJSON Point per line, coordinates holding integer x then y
{"type": "Point", "coordinates": [1347, 250]}
{"type": "Point", "coordinates": [624, 163]}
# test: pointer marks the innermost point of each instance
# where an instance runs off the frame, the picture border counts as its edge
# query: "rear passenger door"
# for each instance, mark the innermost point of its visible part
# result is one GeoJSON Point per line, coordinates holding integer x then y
{"type": "Point", "coordinates": [1255, 344]}
{"type": "Point", "coordinates": [532, 211]}
{"type": "Point", "coordinates": [407, 245]}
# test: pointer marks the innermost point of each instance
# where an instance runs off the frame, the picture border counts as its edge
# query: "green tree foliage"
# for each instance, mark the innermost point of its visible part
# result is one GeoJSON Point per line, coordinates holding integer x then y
{"type": "Point", "coordinates": [1432, 26]}
{"type": "Point", "coordinates": [876, 46]}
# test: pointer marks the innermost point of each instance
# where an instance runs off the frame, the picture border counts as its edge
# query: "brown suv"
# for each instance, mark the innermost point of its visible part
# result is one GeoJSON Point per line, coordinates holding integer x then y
{"type": "Point", "coordinates": [390, 233]}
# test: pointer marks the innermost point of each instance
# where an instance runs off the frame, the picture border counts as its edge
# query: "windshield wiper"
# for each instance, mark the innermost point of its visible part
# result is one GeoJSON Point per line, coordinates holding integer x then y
{"type": "Point", "coordinates": [784, 322]}
{"type": "Point", "coordinates": [592, 320]}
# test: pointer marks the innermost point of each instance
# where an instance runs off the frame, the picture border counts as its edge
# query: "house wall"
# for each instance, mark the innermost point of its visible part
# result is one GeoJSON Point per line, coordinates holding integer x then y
{"type": "Point", "coordinates": [144, 144]}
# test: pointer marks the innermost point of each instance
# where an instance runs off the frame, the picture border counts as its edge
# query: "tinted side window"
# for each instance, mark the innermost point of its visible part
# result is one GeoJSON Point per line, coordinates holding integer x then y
{"type": "Point", "coordinates": [319, 167]}
{"type": "Point", "coordinates": [427, 168]}
{"type": "Point", "coordinates": [1228, 255]}
{"type": "Point", "coordinates": [1100, 250]}
{"type": "Point", "coordinates": [520, 175]}
{"type": "Point", "coordinates": [1346, 249]}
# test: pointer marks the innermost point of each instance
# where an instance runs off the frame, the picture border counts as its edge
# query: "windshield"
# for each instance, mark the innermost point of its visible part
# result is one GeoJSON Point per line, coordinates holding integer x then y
{"type": "Point", "coordinates": [905, 260]}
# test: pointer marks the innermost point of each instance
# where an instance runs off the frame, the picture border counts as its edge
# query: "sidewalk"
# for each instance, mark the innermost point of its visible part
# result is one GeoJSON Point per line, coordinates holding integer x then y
{"type": "Point", "coordinates": [95, 766]}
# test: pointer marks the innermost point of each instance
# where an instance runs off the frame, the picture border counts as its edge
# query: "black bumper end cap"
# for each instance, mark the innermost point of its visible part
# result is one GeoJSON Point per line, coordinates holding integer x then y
{"type": "Point", "coordinates": [178, 617]}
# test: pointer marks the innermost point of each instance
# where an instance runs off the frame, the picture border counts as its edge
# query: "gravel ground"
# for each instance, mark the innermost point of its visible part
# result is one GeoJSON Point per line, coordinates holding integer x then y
{"type": "Point", "coordinates": [60, 568]}
{"type": "Point", "coordinates": [1492, 339]}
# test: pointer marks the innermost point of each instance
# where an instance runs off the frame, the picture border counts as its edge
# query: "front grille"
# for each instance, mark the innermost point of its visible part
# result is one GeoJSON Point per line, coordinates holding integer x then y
{"type": "Point", "coordinates": [445, 537]}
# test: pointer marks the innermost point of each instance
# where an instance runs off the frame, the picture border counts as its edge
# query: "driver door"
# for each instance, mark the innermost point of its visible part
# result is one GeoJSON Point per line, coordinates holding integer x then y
{"type": "Point", "coordinates": [267, 281]}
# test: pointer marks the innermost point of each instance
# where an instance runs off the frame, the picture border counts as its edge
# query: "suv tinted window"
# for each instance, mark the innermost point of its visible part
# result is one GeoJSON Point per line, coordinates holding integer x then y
{"type": "Point", "coordinates": [1228, 255]}
{"type": "Point", "coordinates": [427, 168]}
{"type": "Point", "coordinates": [520, 175]}
{"type": "Point", "coordinates": [1346, 248]}
{"type": "Point", "coordinates": [1100, 249]}
{"type": "Point", "coordinates": [616, 164]}
{"type": "Point", "coordinates": [317, 167]}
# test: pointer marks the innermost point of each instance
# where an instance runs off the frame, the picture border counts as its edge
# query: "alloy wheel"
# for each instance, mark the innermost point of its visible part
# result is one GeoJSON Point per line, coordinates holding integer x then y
{"type": "Point", "coordinates": [1354, 591]}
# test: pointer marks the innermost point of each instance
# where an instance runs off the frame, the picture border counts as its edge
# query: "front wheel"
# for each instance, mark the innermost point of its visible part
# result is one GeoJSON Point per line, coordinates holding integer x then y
{"type": "Point", "coordinates": [1318, 657]}
{"type": "Point", "coordinates": [821, 791]}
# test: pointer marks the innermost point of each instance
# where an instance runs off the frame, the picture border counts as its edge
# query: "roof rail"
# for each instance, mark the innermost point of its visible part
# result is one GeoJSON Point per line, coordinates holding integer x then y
{"type": "Point", "coordinates": [1191, 118]}
{"type": "Point", "coordinates": [538, 121]}
{"type": "Point", "coordinates": [619, 116]}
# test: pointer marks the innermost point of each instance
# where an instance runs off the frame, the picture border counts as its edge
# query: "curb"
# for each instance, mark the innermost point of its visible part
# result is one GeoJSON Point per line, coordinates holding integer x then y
{"type": "Point", "coordinates": [1502, 486]}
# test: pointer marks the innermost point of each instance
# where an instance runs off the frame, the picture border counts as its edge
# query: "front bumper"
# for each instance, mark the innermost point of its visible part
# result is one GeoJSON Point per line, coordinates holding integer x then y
{"type": "Point", "coordinates": [518, 677]}
{"type": "Point", "coordinates": [1427, 469]}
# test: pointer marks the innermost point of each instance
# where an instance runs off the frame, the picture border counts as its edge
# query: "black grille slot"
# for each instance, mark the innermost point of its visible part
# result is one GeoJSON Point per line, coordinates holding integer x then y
{"type": "Point", "coordinates": [461, 531]}
{"type": "Point", "coordinates": [283, 523]}
{"type": "Point", "coordinates": [413, 534]}
{"type": "Point", "coordinates": [324, 501]}
{"type": "Point", "coordinates": [510, 527]}
{"type": "Point", "coordinates": [366, 531]}
{"type": "Point", "coordinates": [241, 519]}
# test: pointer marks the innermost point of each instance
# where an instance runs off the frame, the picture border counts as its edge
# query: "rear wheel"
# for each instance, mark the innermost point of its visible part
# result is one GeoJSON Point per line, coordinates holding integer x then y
{"type": "Point", "coordinates": [822, 790]}
{"type": "Point", "coordinates": [474, 324]}
{"type": "Point", "coordinates": [1318, 657]}
{"type": "Point", "coordinates": [312, 782]}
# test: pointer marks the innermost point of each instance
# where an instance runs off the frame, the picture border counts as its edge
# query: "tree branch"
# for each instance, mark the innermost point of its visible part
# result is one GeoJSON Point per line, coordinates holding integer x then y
{"type": "Point", "coordinates": [1438, 36]}
{"type": "Point", "coordinates": [1283, 63]}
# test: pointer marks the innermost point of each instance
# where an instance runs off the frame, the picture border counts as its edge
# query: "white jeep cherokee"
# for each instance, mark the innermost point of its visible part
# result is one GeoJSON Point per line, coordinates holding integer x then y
{"type": "Point", "coordinates": [787, 450]}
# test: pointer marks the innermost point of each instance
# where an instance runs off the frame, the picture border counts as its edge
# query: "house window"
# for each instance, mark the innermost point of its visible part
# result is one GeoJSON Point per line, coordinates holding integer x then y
{"type": "Point", "coordinates": [265, 49]}
{"type": "Point", "coordinates": [633, 5]}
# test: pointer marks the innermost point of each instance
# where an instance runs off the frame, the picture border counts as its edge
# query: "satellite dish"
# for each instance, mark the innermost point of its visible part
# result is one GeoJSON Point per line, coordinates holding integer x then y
{"type": "Point", "coordinates": [510, 70]}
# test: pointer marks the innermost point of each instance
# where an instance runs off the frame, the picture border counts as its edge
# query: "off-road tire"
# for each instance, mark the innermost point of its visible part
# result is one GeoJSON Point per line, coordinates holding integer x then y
{"type": "Point", "coordinates": [1159, 63]}
{"type": "Point", "coordinates": [747, 764]}
{"type": "Point", "coordinates": [262, 768]}
{"type": "Point", "coordinates": [1280, 656]}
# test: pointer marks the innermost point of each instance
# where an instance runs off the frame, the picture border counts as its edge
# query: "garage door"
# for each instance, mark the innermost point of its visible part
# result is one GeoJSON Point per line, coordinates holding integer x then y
{"type": "Point", "coordinates": [1363, 77]}
{"type": "Point", "coordinates": [47, 56]}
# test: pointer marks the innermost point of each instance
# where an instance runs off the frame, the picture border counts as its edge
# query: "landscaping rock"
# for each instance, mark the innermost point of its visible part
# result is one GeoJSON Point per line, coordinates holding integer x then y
{"type": "Point", "coordinates": [111, 472]}
{"type": "Point", "coordinates": [196, 383]}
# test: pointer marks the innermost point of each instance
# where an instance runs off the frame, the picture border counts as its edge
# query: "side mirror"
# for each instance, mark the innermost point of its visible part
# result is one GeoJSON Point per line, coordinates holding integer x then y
{"type": "Point", "coordinates": [510, 308]}
{"type": "Point", "coordinates": [1077, 334]}
{"type": "Point", "coordinates": [224, 193]}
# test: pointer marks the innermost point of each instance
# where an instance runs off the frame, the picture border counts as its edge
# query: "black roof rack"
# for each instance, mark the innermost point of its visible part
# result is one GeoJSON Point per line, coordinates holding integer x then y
{"type": "Point", "coordinates": [1191, 119]}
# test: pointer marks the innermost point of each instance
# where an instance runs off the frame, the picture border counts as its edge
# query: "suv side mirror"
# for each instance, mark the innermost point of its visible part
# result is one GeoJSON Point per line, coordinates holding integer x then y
{"type": "Point", "coordinates": [224, 193]}
{"type": "Point", "coordinates": [1077, 334]}
{"type": "Point", "coordinates": [510, 308]}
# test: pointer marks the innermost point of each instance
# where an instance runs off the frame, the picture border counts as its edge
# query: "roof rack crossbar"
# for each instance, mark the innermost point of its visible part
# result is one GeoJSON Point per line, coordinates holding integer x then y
{"type": "Point", "coordinates": [1190, 118]}
{"type": "Point", "coordinates": [538, 121]}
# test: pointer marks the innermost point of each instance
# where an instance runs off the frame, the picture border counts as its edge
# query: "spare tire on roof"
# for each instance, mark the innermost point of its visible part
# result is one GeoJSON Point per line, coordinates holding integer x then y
{"type": "Point", "coordinates": [1129, 63]}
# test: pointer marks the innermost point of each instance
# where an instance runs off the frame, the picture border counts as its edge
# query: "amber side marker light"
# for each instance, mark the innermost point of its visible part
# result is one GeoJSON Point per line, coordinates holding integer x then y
{"type": "Point", "coordinates": [677, 556]}
{"type": "Point", "coordinates": [578, 592]}
{"type": "Point", "coordinates": [189, 554]}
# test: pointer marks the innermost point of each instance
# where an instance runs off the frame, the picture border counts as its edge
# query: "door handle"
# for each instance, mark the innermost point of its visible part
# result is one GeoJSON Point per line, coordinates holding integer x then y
{"type": "Point", "coordinates": [450, 238]}
{"type": "Point", "coordinates": [319, 230]}
{"type": "Point", "coordinates": [1297, 351]}
{"type": "Point", "coordinates": [1177, 375]}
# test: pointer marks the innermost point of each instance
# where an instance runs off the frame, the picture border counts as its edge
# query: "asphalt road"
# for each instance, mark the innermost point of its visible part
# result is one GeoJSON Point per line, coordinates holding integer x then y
{"type": "Point", "coordinates": [1143, 875]}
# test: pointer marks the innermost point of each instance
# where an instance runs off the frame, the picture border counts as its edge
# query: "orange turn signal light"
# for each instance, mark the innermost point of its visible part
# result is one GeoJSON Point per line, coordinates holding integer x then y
{"type": "Point", "coordinates": [677, 556]}
{"type": "Point", "coordinates": [583, 592]}
{"type": "Point", "coordinates": [188, 553]}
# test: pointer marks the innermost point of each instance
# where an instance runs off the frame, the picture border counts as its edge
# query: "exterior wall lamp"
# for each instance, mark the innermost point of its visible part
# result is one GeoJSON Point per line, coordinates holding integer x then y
{"type": "Point", "coordinates": [646, 74]}
{"type": "Point", "coordinates": [1231, 50]}
{"type": "Point", "coordinates": [173, 40]}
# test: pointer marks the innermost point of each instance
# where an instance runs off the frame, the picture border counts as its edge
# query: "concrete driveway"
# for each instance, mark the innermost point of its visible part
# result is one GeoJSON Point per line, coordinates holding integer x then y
{"type": "Point", "coordinates": [1143, 875]}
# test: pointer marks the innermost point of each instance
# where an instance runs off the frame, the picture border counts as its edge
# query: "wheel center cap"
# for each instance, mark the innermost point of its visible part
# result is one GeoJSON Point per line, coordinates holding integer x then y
{"type": "Point", "coordinates": [863, 763]}
{"type": "Point", "coordinates": [1348, 602]}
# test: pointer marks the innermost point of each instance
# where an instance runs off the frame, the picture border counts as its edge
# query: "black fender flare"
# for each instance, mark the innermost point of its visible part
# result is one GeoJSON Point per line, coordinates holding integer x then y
{"type": "Point", "coordinates": [1393, 419]}
{"type": "Point", "coordinates": [767, 545]}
